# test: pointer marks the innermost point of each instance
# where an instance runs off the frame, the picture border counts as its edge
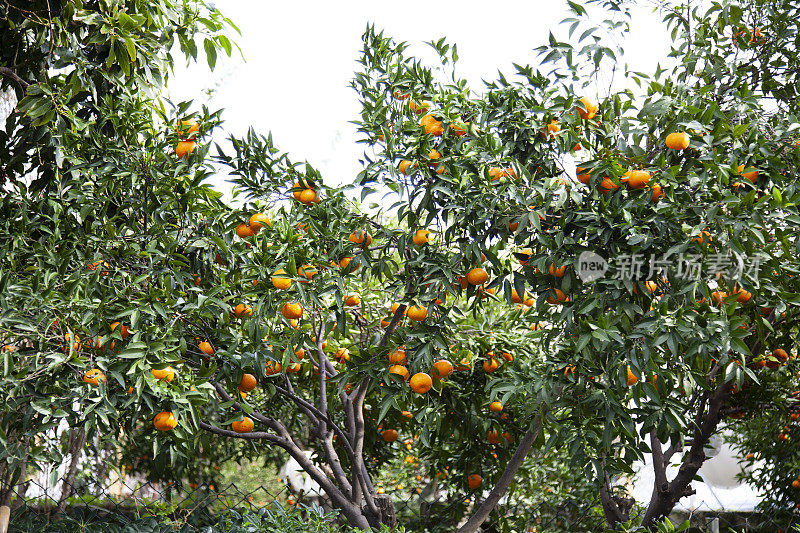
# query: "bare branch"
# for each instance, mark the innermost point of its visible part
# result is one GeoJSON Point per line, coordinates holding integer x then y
{"type": "Point", "coordinates": [8, 73]}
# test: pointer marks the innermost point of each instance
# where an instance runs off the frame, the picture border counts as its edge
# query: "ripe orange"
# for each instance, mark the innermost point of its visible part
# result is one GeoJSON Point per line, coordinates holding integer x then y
{"type": "Point", "coordinates": [632, 379]}
{"type": "Point", "coordinates": [419, 108]}
{"type": "Point", "coordinates": [582, 176]}
{"type": "Point", "coordinates": [102, 265]}
{"type": "Point", "coordinates": [719, 296]}
{"type": "Point", "coordinates": [420, 237]}
{"type": "Point", "coordinates": [752, 175]}
{"type": "Point", "coordinates": [400, 370]}
{"type": "Point", "coordinates": [188, 129]}
{"type": "Point", "coordinates": [292, 310]}
{"type": "Point", "coordinates": [607, 185]}
{"type": "Point", "coordinates": [407, 414]}
{"type": "Point", "coordinates": [245, 425]}
{"type": "Point", "coordinates": [242, 310]}
{"type": "Point", "coordinates": [496, 173]}
{"type": "Point", "coordinates": [185, 148]}
{"type": "Point", "coordinates": [744, 296]}
{"type": "Point", "coordinates": [389, 435]}
{"type": "Point", "coordinates": [490, 365]}
{"type": "Point", "coordinates": [495, 407]}
{"type": "Point", "coordinates": [206, 348]}
{"type": "Point", "coordinates": [77, 345]}
{"type": "Point", "coordinates": [701, 238]}
{"type": "Point", "coordinates": [362, 238]}
{"type": "Point", "coordinates": [123, 331]}
{"type": "Point", "coordinates": [404, 166]}
{"type": "Point", "coordinates": [308, 196]}
{"type": "Point", "coordinates": [417, 313]}
{"type": "Point", "coordinates": [244, 231]}
{"type": "Point", "coordinates": [794, 417]}
{"type": "Point", "coordinates": [259, 220]}
{"type": "Point", "coordinates": [273, 368]}
{"type": "Point", "coordinates": [352, 300]}
{"type": "Point", "coordinates": [281, 280]}
{"type": "Point", "coordinates": [307, 271]}
{"type": "Point", "coordinates": [559, 297]}
{"type": "Point", "coordinates": [637, 179]}
{"type": "Point", "coordinates": [781, 355]}
{"type": "Point", "coordinates": [515, 297]}
{"type": "Point", "coordinates": [550, 130]}
{"type": "Point", "coordinates": [657, 193]}
{"type": "Point", "coordinates": [557, 271]}
{"type": "Point", "coordinates": [94, 376]}
{"type": "Point", "coordinates": [433, 155]}
{"type": "Point", "coordinates": [588, 110]}
{"type": "Point", "coordinates": [459, 129]}
{"type": "Point", "coordinates": [474, 481]}
{"type": "Point", "coordinates": [796, 484]}
{"type": "Point", "coordinates": [431, 125]}
{"type": "Point", "coordinates": [477, 276]}
{"type": "Point", "coordinates": [421, 383]}
{"type": "Point", "coordinates": [442, 368]}
{"type": "Point", "coordinates": [165, 421]}
{"type": "Point", "coordinates": [398, 356]}
{"type": "Point", "coordinates": [507, 356]}
{"type": "Point", "coordinates": [345, 262]}
{"type": "Point", "coordinates": [248, 383]}
{"type": "Point", "coordinates": [163, 373]}
{"type": "Point", "coordinates": [492, 437]}
{"type": "Point", "coordinates": [342, 355]}
{"type": "Point", "coordinates": [678, 141]}
{"type": "Point", "coordinates": [526, 254]}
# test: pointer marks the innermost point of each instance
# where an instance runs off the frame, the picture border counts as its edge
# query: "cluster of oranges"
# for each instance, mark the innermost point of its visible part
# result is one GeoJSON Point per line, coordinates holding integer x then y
{"type": "Point", "coordinates": [94, 376]}
{"type": "Point", "coordinates": [188, 131]}
{"type": "Point", "coordinates": [305, 193]}
{"type": "Point", "coordinates": [256, 223]}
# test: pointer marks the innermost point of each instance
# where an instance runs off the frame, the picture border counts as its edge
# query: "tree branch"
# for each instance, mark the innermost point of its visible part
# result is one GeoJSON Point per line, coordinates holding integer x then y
{"type": "Point", "coordinates": [8, 73]}
{"type": "Point", "coordinates": [482, 513]}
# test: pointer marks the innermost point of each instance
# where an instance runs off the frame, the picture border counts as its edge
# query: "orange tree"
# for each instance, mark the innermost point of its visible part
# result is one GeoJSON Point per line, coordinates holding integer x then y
{"type": "Point", "coordinates": [134, 298]}
{"type": "Point", "coordinates": [77, 169]}
{"type": "Point", "coordinates": [685, 189]}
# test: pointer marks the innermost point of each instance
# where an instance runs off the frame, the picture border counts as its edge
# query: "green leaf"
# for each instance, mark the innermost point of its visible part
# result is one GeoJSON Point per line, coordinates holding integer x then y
{"type": "Point", "coordinates": [211, 53]}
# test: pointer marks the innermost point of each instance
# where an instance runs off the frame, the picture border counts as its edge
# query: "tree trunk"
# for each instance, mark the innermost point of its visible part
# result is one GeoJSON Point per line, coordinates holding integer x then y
{"type": "Point", "coordinates": [386, 509]}
{"type": "Point", "coordinates": [75, 447]}
{"type": "Point", "coordinates": [665, 497]}
{"type": "Point", "coordinates": [22, 486]}
{"type": "Point", "coordinates": [482, 513]}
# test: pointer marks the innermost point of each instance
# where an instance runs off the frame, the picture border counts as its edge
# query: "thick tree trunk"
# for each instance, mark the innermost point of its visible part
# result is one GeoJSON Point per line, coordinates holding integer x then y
{"type": "Point", "coordinates": [667, 495]}
{"type": "Point", "coordinates": [386, 508]}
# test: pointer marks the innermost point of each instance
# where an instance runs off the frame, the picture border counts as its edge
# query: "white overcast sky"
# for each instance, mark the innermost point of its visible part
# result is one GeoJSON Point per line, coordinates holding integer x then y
{"type": "Point", "coordinates": [300, 56]}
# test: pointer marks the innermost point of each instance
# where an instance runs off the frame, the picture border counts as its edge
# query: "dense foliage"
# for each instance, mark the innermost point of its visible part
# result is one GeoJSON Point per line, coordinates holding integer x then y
{"type": "Point", "coordinates": [132, 299]}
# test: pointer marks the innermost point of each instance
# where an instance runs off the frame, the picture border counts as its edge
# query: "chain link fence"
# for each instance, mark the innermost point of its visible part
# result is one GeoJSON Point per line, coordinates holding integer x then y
{"type": "Point", "coordinates": [177, 506]}
{"type": "Point", "coordinates": [182, 507]}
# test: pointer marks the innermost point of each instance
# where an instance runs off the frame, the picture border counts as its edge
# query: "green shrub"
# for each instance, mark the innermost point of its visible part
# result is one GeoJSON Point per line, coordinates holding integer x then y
{"type": "Point", "coordinates": [297, 519]}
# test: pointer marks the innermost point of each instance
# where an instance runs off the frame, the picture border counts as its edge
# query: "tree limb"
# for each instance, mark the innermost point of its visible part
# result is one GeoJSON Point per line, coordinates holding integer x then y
{"type": "Point", "coordinates": [482, 513]}
{"type": "Point", "coordinates": [8, 73]}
